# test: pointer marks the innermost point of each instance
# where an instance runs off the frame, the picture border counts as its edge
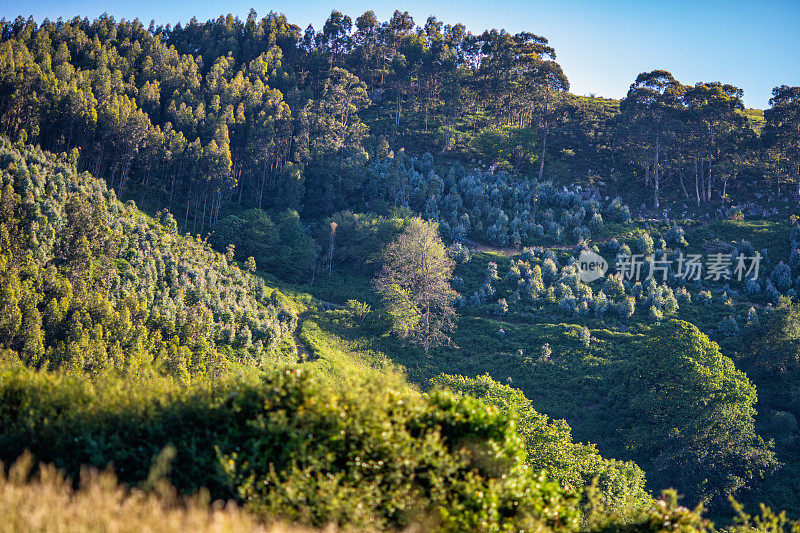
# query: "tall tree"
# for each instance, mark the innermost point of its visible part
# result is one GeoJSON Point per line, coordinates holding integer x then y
{"type": "Point", "coordinates": [415, 285]}
{"type": "Point", "coordinates": [783, 128]}
{"type": "Point", "coordinates": [648, 111]}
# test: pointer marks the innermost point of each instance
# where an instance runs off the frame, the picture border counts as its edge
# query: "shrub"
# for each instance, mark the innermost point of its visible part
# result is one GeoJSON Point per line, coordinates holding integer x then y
{"type": "Point", "coordinates": [684, 296]}
{"type": "Point", "coordinates": [704, 297]}
{"type": "Point", "coordinates": [459, 253]}
{"type": "Point", "coordinates": [287, 445]}
{"type": "Point", "coordinates": [600, 304]}
{"type": "Point", "coordinates": [585, 336]}
{"type": "Point", "coordinates": [513, 274]}
{"type": "Point", "coordinates": [613, 286]}
{"type": "Point", "coordinates": [783, 422]}
{"type": "Point", "coordinates": [618, 211]}
{"type": "Point", "coordinates": [359, 310]}
{"type": "Point", "coordinates": [728, 326]}
{"type": "Point", "coordinates": [655, 314]}
{"type": "Point", "coordinates": [752, 316]}
{"type": "Point", "coordinates": [637, 290]}
{"type": "Point", "coordinates": [596, 223]}
{"type": "Point", "coordinates": [794, 259]}
{"type": "Point", "coordinates": [771, 292]}
{"type": "Point", "coordinates": [549, 271]}
{"type": "Point", "coordinates": [491, 271]}
{"type": "Point", "coordinates": [670, 303]}
{"type": "Point", "coordinates": [581, 234]}
{"type": "Point", "coordinates": [626, 307]}
{"type": "Point", "coordinates": [782, 276]}
{"type": "Point", "coordinates": [752, 286]}
{"type": "Point", "coordinates": [644, 244]}
{"type": "Point", "coordinates": [545, 352]}
{"type": "Point", "coordinates": [477, 298]}
{"type": "Point", "coordinates": [735, 213]}
{"type": "Point", "coordinates": [676, 237]}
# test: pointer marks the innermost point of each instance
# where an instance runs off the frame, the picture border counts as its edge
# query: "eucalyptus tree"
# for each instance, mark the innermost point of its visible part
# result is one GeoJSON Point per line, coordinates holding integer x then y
{"type": "Point", "coordinates": [782, 129]}
{"type": "Point", "coordinates": [648, 112]}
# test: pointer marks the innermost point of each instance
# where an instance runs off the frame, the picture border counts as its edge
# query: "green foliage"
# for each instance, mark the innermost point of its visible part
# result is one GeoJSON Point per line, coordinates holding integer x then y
{"type": "Point", "coordinates": [508, 148]}
{"type": "Point", "coordinates": [359, 310]}
{"type": "Point", "coordinates": [287, 445]}
{"type": "Point", "coordinates": [283, 248]}
{"type": "Point", "coordinates": [618, 486]}
{"type": "Point", "coordinates": [92, 285]}
{"type": "Point", "coordinates": [692, 416]}
{"type": "Point", "coordinates": [415, 285]}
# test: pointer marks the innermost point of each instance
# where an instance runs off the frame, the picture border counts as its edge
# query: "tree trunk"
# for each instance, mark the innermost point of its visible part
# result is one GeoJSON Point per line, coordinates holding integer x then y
{"type": "Point", "coordinates": [797, 178]}
{"type": "Point", "coordinates": [696, 180]}
{"type": "Point", "coordinates": [680, 177]}
{"type": "Point", "coordinates": [709, 177]}
{"type": "Point", "coordinates": [426, 340]}
{"type": "Point", "coordinates": [544, 150]}
{"type": "Point", "coordinates": [656, 175]}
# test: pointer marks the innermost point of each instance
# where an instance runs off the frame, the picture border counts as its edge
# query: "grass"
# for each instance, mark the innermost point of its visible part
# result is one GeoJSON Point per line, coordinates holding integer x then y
{"type": "Point", "coordinates": [47, 502]}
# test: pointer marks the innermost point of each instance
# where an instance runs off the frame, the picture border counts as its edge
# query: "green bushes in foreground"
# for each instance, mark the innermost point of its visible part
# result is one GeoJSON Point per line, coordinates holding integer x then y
{"type": "Point", "coordinates": [286, 445]}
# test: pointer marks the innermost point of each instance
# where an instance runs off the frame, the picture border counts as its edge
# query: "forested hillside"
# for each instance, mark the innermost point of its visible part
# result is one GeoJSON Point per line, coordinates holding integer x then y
{"type": "Point", "coordinates": [262, 113]}
{"type": "Point", "coordinates": [339, 276]}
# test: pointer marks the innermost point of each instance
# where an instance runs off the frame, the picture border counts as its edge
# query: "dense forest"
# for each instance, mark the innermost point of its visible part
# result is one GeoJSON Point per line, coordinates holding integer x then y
{"type": "Point", "coordinates": [334, 276]}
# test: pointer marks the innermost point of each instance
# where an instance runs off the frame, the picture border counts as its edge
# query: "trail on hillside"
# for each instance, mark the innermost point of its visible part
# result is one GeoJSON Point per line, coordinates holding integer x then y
{"type": "Point", "coordinates": [303, 355]}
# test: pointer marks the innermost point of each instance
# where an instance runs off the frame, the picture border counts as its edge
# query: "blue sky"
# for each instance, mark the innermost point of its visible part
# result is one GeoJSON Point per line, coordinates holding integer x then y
{"type": "Point", "coordinates": [602, 45]}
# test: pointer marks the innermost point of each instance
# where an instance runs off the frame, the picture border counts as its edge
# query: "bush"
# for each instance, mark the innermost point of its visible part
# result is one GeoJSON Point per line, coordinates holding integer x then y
{"type": "Point", "coordinates": [596, 223]}
{"type": "Point", "coordinates": [676, 237]}
{"type": "Point", "coordinates": [626, 307]}
{"type": "Point", "coordinates": [459, 253]}
{"type": "Point", "coordinates": [545, 352]}
{"type": "Point", "coordinates": [772, 293]}
{"type": "Point", "coordinates": [613, 286]}
{"type": "Point", "coordinates": [782, 276]}
{"type": "Point", "coordinates": [585, 336]}
{"type": "Point", "coordinates": [513, 274]}
{"type": "Point", "coordinates": [644, 244]}
{"type": "Point", "coordinates": [655, 314]}
{"type": "Point", "coordinates": [794, 259]}
{"type": "Point", "coordinates": [728, 326]}
{"type": "Point", "coordinates": [491, 272]}
{"type": "Point", "coordinates": [684, 296]}
{"type": "Point", "coordinates": [618, 211]}
{"type": "Point", "coordinates": [549, 271]}
{"type": "Point", "coordinates": [290, 446]}
{"type": "Point", "coordinates": [752, 316]}
{"type": "Point", "coordinates": [704, 297]}
{"type": "Point", "coordinates": [359, 310]}
{"type": "Point", "coordinates": [752, 286]}
{"type": "Point", "coordinates": [670, 303]}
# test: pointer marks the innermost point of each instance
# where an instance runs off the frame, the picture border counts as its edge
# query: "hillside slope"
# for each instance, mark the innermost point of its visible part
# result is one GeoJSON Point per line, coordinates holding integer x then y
{"type": "Point", "coordinates": [90, 283]}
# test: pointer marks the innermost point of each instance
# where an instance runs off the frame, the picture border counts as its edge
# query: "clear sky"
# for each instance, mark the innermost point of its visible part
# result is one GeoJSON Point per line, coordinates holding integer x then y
{"type": "Point", "coordinates": [602, 45]}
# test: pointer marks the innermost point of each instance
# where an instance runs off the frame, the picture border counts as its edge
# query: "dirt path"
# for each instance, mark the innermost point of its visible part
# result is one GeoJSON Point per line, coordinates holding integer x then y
{"type": "Point", "coordinates": [510, 251]}
{"type": "Point", "coordinates": [303, 355]}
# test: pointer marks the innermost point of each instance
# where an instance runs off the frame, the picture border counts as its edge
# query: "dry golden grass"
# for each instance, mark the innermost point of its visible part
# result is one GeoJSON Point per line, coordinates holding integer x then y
{"type": "Point", "coordinates": [46, 502]}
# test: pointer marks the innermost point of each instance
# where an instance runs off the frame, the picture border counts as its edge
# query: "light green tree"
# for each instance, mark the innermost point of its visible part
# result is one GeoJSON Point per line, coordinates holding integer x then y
{"type": "Point", "coordinates": [415, 285]}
